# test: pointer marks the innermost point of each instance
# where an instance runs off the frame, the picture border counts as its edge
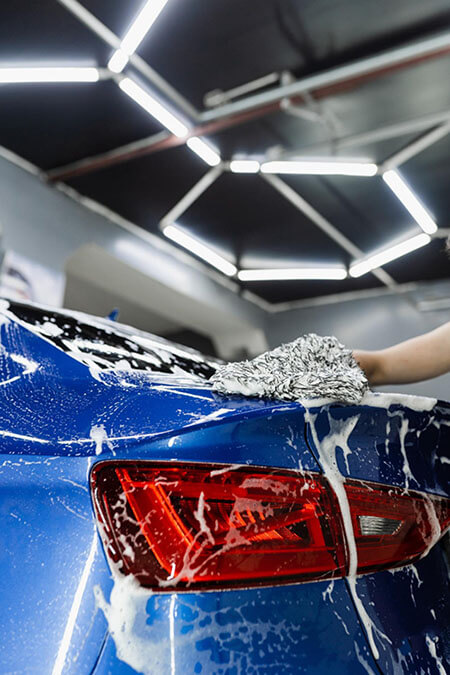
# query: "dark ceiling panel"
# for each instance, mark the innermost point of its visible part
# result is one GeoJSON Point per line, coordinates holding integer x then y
{"type": "Point", "coordinates": [117, 15]}
{"type": "Point", "coordinates": [259, 222]}
{"type": "Point", "coordinates": [43, 30]}
{"type": "Point", "coordinates": [375, 215]}
{"type": "Point", "coordinates": [145, 189]}
{"type": "Point", "coordinates": [351, 28]}
{"type": "Point", "coordinates": [199, 46]}
{"type": "Point", "coordinates": [425, 264]}
{"type": "Point", "coordinates": [54, 124]}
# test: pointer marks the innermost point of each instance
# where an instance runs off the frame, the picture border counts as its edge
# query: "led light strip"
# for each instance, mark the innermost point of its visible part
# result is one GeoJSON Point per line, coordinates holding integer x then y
{"type": "Point", "coordinates": [377, 259]}
{"type": "Point", "coordinates": [321, 167]}
{"type": "Point", "coordinates": [135, 34]}
{"type": "Point", "coordinates": [244, 166]}
{"type": "Point", "coordinates": [293, 274]}
{"type": "Point", "coordinates": [200, 147]}
{"type": "Point", "coordinates": [203, 150]}
{"type": "Point", "coordinates": [37, 74]}
{"type": "Point", "coordinates": [153, 107]}
{"type": "Point", "coordinates": [409, 200]}
{"type": "Point", "coordinates": [201, 250]}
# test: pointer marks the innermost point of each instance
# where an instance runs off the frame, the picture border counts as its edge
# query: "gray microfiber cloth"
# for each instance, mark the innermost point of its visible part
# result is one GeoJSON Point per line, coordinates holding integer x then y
{"type": "Point", "coordinates": [310, 367]}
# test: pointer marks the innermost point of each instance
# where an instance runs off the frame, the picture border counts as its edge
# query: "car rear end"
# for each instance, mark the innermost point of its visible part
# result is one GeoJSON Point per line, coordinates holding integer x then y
{"type": "Point", "coordinates": [153, 526]}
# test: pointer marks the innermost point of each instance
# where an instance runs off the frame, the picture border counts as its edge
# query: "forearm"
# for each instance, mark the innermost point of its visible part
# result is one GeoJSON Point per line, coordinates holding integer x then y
{"type": "Point", "coordinates": [370, 363]}
{"type": "Point", "coordinates": [420, 358]}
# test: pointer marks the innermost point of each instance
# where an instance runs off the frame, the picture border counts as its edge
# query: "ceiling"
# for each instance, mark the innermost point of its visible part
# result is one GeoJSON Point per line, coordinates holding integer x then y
{"type": "Point", "coordinates": [200, 46]}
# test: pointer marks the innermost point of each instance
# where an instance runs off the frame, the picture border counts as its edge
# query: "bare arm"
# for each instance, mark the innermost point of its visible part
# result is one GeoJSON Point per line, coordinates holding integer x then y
{"type": "Point", "coordinates": [420, 358]}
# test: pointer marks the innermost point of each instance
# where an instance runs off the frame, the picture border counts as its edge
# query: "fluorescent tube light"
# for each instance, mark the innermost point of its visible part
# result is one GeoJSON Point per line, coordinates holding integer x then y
{"type": "Point", "coordinates": [203, 150]}
{"type": "Point", "coordinates": [410, 201]}
{"type": "Point", "coordinates": [118, 61]}
{"type": "Point", "coordinates": [357, 269]}
{"type": "Point", "coordinates": [293, 273]}
{"type": "Point", "coordinates": [135, 34]}
{"type": "Point", "coordinates": [153, 107]}
{"type": "Point", "coordinates": [318, 167]}
{"type": "Point", "coordinates": [201, 250]}
{"type": "Point", "coordinates": [48, 74]}
{"type": "Point", "coordinates": [244, 166]}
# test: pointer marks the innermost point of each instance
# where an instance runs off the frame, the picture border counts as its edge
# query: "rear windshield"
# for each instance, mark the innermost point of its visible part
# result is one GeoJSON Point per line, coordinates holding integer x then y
{"type": "Point", "coordinates": [100, 342]}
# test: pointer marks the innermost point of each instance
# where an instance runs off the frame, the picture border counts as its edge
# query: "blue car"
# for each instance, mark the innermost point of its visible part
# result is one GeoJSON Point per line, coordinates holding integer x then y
{"type": "Point", "coordinates": [150, 525]}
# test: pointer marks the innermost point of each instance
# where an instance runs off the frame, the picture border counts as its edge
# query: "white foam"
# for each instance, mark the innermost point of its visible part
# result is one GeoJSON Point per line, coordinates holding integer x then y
{"type": "Point", "coordinates": [226, 469]}
{"type": "Point", "coordinates": [406, 467]}
{"type": "Point", "coordinates": [338, 436]}
{"type": "Point", "coordinates": [127, 621]}
{"type": "Point", "coordinates": [378, 400]}
{"type": "Point", "coordinates": [431, 644]}
{"type": "Point", "coordinates": [384, 400]}
{"type": "Point", "coordinates": [50, 329]}
{"type": "Point", "coordinates": [362, 660]}
{"type": "Point", "coordinates": [99, 436]}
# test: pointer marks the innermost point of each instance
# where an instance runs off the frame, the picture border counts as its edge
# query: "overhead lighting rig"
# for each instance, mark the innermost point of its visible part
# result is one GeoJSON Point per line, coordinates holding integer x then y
{"type": "Point", "coordinates": [176, 125]}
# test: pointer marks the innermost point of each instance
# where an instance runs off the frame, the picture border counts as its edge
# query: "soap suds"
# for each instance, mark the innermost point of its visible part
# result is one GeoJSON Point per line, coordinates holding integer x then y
{"type": "Point", "coordinates": [126, 616]}
{"type": "Point", "coordinates": [431, 644]}
{"type": "Point", "coordinates": [338, 436]}
{"type": "Point", "coordinates": [50, 329]}
{"type": "Point", "coordinates": [99, 436]}
{"type": "Point", "coordinates": [385, 400]}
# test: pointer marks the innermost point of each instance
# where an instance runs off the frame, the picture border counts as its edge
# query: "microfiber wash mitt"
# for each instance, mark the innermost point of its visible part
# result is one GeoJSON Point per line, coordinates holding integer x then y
{"type": "Point", "coordinates": [309, 367]}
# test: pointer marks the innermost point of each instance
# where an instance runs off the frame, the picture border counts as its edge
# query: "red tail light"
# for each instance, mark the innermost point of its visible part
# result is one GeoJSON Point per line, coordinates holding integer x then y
{"type": "Point", "coordinates": [201, 526]}
{"type": "Point", "coordinates": [392, 526]}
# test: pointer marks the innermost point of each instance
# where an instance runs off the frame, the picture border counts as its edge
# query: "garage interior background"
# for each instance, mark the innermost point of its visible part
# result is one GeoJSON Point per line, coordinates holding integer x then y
{"type": "Point", "coordinates": [279, 140]}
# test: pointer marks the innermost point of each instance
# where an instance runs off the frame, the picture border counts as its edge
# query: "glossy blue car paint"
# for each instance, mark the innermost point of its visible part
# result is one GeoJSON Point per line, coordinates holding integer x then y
{"type": "Point", "coordinates": [52, 561]}
{"type": "Point", "coordinates": [409, 604]}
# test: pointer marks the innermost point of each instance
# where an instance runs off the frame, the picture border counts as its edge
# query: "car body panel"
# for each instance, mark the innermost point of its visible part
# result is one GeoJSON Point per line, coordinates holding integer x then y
{"type": "Point", "coordinates": [286, 629]}
{"type": "Point", "coordinates": [48, 542]}
{"type": "Point", "coordinates": [61, 414]}
{"type": "Point", "coordinates": [409, 607]}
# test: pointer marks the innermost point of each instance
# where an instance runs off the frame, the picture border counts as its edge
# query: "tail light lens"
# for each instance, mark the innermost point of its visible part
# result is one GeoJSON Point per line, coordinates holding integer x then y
{"type": "Point", "coordinates": [392, 526]}
{"type": "Point", "coordinates": [197, 526]}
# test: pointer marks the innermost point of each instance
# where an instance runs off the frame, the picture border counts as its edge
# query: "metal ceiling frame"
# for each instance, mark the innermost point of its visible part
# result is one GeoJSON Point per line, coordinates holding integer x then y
{"type": "Point", "coordinates": [394, 161]}
{"type": "Point", "coordinates": [226, 282]}
{"type": "Point", "coordinates": [351, 74]}
{"type": "Point", "coordinates": [320, 85]}
{"type": "Point", "coordinates": [153, 143]}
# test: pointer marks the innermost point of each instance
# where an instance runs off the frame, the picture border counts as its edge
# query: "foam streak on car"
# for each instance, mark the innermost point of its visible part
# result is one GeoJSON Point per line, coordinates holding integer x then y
{"type": "Point", "coordinates": [149, 525]}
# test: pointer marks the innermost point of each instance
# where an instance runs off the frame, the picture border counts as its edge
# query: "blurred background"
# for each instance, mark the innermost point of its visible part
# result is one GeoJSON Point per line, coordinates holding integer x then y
{"type": "Point", "coordinates": [230, 174]}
